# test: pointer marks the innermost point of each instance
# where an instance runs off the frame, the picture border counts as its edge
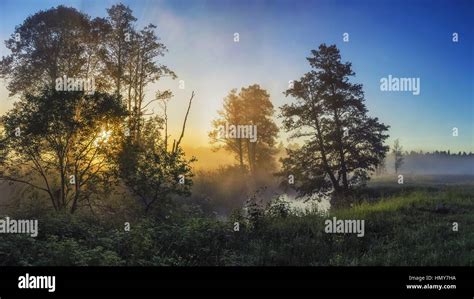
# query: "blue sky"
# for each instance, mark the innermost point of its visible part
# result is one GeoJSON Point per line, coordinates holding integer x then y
{"type": "Point", "coordinates": [398, 38]}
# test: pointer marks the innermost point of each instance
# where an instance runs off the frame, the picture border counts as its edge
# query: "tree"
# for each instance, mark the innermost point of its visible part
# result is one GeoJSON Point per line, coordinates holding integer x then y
{"type": "Point", "coordinates": [57, 142]}
{"type": "Point", "coordinates": [153, 171]}
{"type": "Point", "coordinates": [53, 43]}
{"type": "Point", "coordinates": [259, 112]}
{"type": "Point", "coordinates": [250, 107]}
{"type": "Point", "coordinates": [398, 155]}
{"type": "Point", "coordinates": [118, 40]}
{"type": "Point", "coordinates": [340, 142]}
{"type": "Point", "coordinates": [131, 58]}
{"type": "Point", "coordinates": [62, 41]}
{"type": "Point", "coordinates": [232, 113]}
{"type": "Point", "coordinates": [381, 167]}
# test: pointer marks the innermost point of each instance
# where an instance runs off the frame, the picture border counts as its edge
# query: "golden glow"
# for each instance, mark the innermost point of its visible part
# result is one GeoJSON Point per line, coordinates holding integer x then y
{"type": "Point", "coordinates": [103, 137]}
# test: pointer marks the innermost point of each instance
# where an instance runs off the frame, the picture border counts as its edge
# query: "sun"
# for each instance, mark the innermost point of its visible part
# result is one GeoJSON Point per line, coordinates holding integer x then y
{"type": "Point", "coordinates": [103, 137]}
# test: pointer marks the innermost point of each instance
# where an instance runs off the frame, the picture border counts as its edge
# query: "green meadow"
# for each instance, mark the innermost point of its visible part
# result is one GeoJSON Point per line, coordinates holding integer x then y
{"type": "Point", "coordinates": [405, 226]}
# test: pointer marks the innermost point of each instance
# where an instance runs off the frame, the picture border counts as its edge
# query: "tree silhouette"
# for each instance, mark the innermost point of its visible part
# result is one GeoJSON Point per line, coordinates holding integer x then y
{"type": "Point", "coordinates": [341, 143]}
{"type": "Point", "coordinates": [231, 113]}
{"type": "Point", "coordinates": [251, 106]}
{"type": "Point", "coordinates": [153, 172]}
{"type": "Point", "coordinates": [131, 59]}
{"type": "Point", "coordinates": [62, 41]}
{"type": "Point", "coordinates": [58, 142]}
{"type": "Point", "coordinates": [53, 43]}
{"type": "Point", "coordinates": [62, 131]}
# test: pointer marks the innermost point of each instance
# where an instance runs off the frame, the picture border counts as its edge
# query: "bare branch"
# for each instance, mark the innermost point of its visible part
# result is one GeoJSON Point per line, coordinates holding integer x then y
{"type": "Point", "coordinates": [184, 122]}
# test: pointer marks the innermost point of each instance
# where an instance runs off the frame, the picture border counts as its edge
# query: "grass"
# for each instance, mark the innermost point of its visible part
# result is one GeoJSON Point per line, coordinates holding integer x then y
{"type": "Point", "coordinates": [410, 228]}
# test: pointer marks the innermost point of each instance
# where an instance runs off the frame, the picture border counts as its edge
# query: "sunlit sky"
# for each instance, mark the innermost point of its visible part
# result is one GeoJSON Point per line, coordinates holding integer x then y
{"type": "Point", "coordinates": [398, 38]}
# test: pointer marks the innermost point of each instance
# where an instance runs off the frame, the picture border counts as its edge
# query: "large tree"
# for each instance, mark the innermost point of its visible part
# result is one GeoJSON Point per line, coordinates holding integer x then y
{"type": "Point", "coordinates": [231, 113]}
{"type": "Point", "coordinates": [131, 58]}
{"type": "Point", "coordinates": [122, 60]}
{"type": "Point", "coordinates": [50, 44]}
{"type": "Point", "coordinates": [62, 41]}
{"type": "Point", "coordinates": [250, 107]}
{"type": "Point", "coordinates": [341, 144]}
{"type": "Point", "coordinates": [57, 143]}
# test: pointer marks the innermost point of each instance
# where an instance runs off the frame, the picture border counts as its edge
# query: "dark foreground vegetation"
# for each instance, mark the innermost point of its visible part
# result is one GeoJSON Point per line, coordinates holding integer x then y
{"type": "Point", "coordinates": [407, 228]}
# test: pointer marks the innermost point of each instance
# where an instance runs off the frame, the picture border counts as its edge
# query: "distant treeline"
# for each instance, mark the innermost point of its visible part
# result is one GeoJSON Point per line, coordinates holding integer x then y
{"type": "Point", "coordinates": [436, 162]}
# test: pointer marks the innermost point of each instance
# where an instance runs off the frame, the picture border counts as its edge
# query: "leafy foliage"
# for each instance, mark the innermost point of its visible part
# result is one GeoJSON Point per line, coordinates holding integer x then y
{"type": "Point", "coordinates": [342, 144]}
{"type": "Point", "coordinates": [397, 225]}
{"type": "Point", "coordinates": [56, 135]}
{"type": "Point", "coordinates": [151, 171]}
{"type": "Point", "coordinates": [251, 106]}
